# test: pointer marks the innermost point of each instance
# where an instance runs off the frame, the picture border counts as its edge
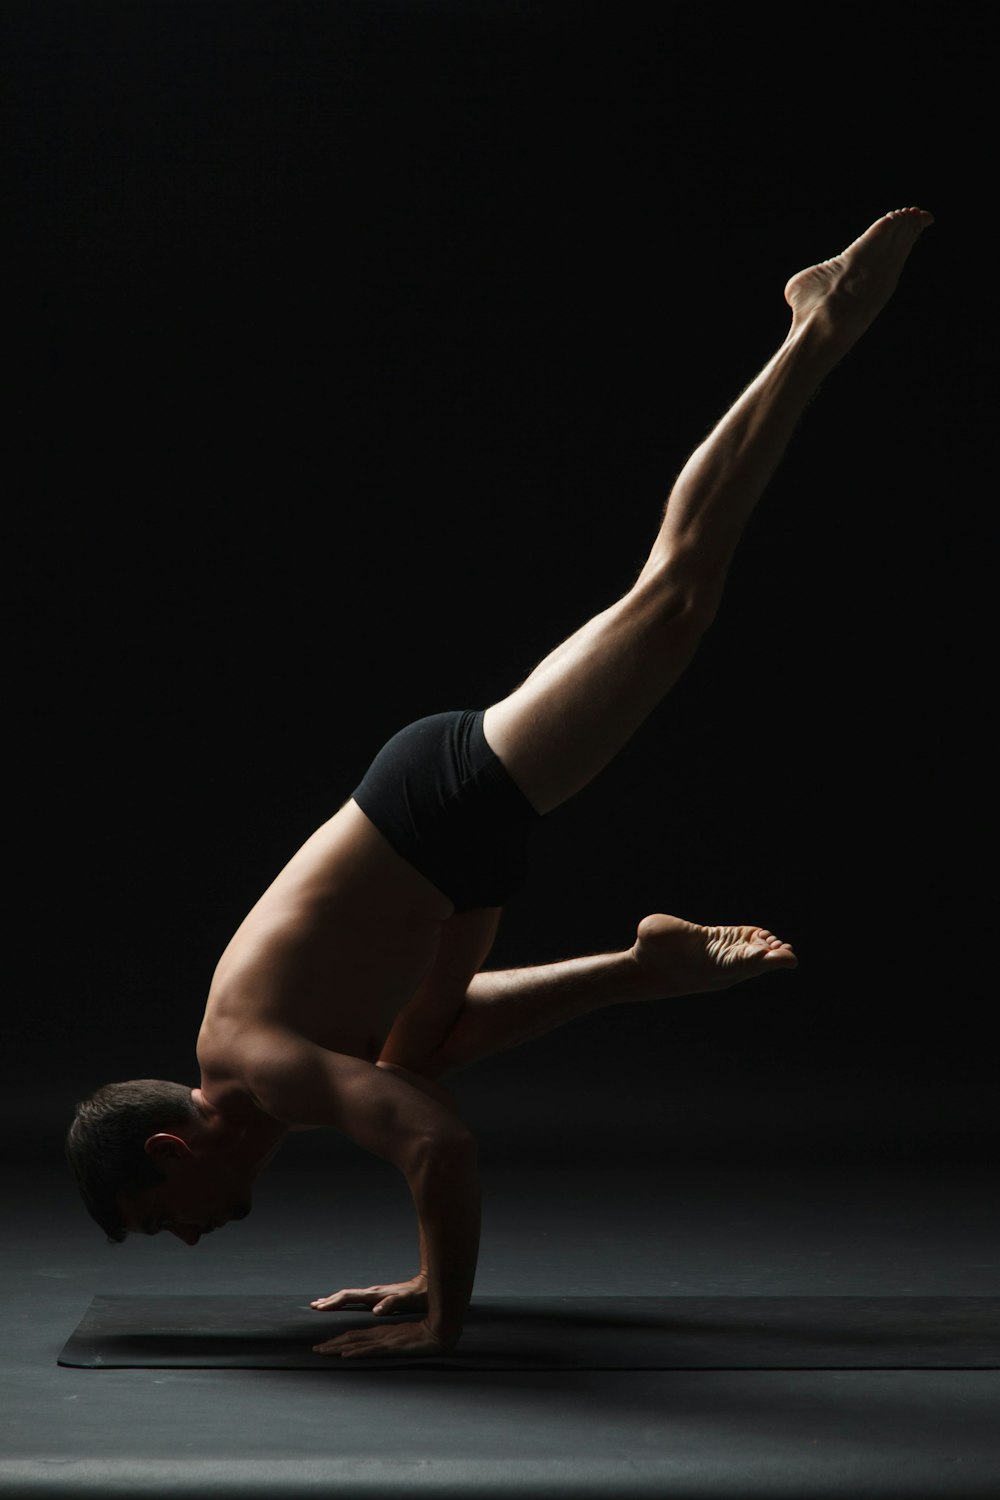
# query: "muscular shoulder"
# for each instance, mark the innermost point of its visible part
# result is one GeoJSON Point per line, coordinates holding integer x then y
{"type": "Point", "coordinates": [279, 1064]}
{"type": "Point", "coordinates": [301, 1083]}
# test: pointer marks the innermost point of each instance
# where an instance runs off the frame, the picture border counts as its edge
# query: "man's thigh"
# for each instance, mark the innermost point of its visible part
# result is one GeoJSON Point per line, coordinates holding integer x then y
{"type": "Point", "coordinates": [422, 1026]}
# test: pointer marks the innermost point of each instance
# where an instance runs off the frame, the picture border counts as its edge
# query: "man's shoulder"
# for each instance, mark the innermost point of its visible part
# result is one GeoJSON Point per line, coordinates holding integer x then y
{"type": "Point", "coordinates": [299, 1082]}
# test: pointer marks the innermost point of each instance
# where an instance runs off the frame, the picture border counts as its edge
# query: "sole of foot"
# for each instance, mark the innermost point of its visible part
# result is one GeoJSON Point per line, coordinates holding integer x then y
{"type": "Point", "coordinates": [684, 958]}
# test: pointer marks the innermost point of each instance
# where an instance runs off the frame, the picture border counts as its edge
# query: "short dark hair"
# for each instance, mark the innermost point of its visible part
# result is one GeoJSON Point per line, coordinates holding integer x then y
{"type": "Point", "coordinates": [105, 1145]}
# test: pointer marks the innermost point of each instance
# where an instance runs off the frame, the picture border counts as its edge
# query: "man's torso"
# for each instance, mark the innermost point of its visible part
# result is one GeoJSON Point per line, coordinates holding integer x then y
{"type": "Point", "coordinates": [335, 947]}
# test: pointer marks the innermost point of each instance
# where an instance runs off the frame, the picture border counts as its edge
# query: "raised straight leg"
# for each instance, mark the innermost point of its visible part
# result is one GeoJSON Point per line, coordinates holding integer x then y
{"type": "Point", "coordinates": [585, 700]}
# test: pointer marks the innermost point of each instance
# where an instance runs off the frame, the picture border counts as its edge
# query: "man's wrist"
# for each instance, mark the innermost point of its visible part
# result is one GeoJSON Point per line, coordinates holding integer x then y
{"type": "Point", "coordinates": [439, 1335]}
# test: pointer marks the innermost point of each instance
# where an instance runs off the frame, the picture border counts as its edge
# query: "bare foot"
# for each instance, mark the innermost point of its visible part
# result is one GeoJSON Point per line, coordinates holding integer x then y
{"type": "Point", "coordinates": [849, 291]}
{"type": "Point", "coordinates": [681, 958]}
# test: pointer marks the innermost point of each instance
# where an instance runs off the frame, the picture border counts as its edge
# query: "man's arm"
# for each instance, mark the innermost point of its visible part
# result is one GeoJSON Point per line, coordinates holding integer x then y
{"type": "Point", "coordinates": [434, 1090]}
{"type": "Point", "coordinates": [300, 1083]}
{"type": "Point", "coordinates": [445, 1189]}
{"type": "Point", "coordinates": [409, 1295]}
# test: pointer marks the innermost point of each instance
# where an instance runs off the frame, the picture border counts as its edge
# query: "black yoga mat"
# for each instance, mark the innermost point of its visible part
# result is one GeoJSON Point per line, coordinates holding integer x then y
{"type": "Point", "coordinates": [558, 1333]}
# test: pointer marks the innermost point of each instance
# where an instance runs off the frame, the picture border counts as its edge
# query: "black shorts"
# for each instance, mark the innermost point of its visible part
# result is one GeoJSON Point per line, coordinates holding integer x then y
{"type": "Point", "coordinates": [445, 802]}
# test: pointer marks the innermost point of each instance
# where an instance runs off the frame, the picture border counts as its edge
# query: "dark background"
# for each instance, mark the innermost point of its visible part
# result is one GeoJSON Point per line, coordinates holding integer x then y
{"type": "Point", "coordinates": [355, 347]}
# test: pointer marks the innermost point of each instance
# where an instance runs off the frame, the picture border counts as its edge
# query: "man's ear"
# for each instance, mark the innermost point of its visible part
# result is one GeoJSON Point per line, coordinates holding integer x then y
{"type": "Point", "coordinates": [164, 1146]}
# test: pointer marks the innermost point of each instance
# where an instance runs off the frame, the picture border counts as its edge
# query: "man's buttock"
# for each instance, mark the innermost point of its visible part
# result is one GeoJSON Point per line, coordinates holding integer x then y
{"type": "Point", "coordinates": [447, 805]}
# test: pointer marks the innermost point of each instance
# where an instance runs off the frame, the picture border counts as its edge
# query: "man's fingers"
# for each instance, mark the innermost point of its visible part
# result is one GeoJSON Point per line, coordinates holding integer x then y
{"type": "Point", "coordinates": [356, 1296]}
{"type": "Point", "coordinates": [348, 1344]}
{"type": "Point", "coordinates": [379, 1300]}
{"type": "Point", "coordinates": [338, 1343]}
{"type": "Point", "coordinates": [407, 1339]}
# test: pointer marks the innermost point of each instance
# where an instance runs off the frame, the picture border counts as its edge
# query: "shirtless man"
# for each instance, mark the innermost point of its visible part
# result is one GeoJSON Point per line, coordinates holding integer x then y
{"type": "Point", "coordinates": [356, 982]}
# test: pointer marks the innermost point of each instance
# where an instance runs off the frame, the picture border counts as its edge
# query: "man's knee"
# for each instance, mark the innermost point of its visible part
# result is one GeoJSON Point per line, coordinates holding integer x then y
{"type": "Point", "coordinates": [682, 596]}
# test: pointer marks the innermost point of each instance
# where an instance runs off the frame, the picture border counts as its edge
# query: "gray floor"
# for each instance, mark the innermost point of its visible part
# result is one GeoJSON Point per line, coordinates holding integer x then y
{"type": "Point", "coordinates": [322, 1221]}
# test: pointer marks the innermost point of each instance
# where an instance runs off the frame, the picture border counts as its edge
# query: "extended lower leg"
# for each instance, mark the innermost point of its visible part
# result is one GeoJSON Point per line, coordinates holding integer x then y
{"type": "Point", "coordinates": [505, 1007]}
{"type": "Point", "coordinates": [720, 484]}
{"type": "Point", "coordinates": [832, 305]}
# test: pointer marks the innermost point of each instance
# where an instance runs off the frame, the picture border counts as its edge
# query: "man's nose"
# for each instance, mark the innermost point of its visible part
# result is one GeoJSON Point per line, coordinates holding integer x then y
{"type": "Point", "coordinates": [189, 1233]}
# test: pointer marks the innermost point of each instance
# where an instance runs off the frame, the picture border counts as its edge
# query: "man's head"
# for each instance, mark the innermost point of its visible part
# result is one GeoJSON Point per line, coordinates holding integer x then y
{"type": "Point", "coordinates": [147, 1156]}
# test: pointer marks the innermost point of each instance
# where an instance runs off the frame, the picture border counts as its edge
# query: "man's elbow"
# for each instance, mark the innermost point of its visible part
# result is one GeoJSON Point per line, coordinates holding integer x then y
{"type": "Point", "coordinates": [448, 1145]}
{"type": "Point", "coordinates": [451, 1139]}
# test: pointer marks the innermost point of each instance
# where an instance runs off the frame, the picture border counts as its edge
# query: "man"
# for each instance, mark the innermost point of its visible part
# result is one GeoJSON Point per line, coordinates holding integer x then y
{"type": "Point", "coordinates": [356, 982]}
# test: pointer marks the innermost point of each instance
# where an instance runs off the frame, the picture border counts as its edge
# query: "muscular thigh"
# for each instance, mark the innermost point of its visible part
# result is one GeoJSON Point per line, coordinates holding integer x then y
{"type": "Point", "coordinates": [424, 1023]}
{"type": "Point", "coordinates": [580, 705]}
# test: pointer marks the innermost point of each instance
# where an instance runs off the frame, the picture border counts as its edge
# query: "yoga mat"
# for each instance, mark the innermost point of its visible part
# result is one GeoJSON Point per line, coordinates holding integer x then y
{"type": "Point", "coordinates": [557, 1333]}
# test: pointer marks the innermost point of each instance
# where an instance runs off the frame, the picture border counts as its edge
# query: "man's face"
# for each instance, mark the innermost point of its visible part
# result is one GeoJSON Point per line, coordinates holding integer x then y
{"type": "Point", "coordinates": [198, 1194]}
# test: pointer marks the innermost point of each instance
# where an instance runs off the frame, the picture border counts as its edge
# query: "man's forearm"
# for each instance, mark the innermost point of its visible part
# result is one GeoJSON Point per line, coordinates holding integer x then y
{"type": "Point", "coordinates": [444, 1184]}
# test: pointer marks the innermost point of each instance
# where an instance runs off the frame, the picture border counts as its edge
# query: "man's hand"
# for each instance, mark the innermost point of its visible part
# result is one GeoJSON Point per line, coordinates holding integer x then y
{"type": "Point", "coordinates": [394, 1297]}
{"type": "Point", "coordinates": [407, 1339]}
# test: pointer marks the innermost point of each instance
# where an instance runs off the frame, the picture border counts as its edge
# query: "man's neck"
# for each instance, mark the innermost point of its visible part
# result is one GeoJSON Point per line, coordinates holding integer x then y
{"type": "Point", "coordinates": [253, 1137]}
